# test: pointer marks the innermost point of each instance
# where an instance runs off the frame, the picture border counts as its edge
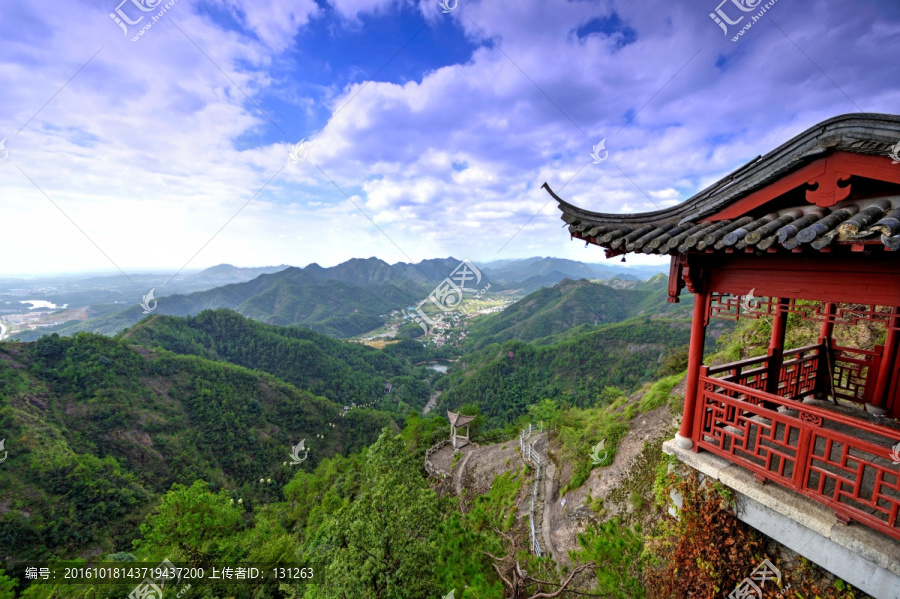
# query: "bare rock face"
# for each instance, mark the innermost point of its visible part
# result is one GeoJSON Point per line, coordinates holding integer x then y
{"type": "Point", "coordinates": [624, 488]}
{"type": "Point", "coordinates": [613, 486]}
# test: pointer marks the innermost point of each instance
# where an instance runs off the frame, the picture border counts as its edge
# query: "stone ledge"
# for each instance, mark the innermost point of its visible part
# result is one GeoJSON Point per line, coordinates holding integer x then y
{"type": "Point", "coordinates": [785, 502]}
{"type": "Point", "coordinates": [866, 558]}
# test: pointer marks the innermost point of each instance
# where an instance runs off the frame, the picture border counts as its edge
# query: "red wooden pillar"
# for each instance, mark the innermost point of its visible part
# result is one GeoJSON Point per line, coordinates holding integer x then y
{"type": "Point", "coordinates": [825, 372]}
{"type": "Point", "coordinates": [828, 324]}
{"type": "Point", "coordinates": [888, 360]}
{"type": "Point", "coordinates": [695, 361]}
{"type": "Point", "coordinates": [776, 344]}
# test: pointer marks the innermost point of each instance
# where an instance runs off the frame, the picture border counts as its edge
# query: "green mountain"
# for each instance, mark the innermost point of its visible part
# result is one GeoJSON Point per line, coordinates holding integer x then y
{"type": "Point", "coordinates": [503, 380]}
{"type": "Point", "coordinates": [171, 441]}
{"type": "Point", "coordinates": [228, 273]}
{"type": "Point", "coordinates": [342, 301]}
{"type": "Point", "coordinates": [533, 273]}
{"type": "Point", "coordinates": [96, 428]}
{"type": "Point", "coordinates": [341, 371]}
{"type": "Point", "coordinates": [549, 312]}
{"type": "Point", "coordinates": [370, 271]}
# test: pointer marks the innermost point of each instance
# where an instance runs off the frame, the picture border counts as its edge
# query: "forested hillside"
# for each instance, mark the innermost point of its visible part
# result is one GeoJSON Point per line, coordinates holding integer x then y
{"type": "Point", "coordinates": [341, 371]}
{"type": "Point", "coordinates": [172, 440]}
{"type": "Point", "coordinates": [96, 429]}
{"type": "Point", "coordinates": [115, 443]}
{"type": "Point", "coordinates": [502, 380]}
{"type": "Point", "coordinates": [553, 310]}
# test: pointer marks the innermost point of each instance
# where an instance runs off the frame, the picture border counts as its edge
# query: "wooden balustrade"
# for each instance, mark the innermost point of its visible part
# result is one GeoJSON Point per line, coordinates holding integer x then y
{"type": "Point", "coordinates": [848, 464]}
{"type": "Point", "coordinates": [751, 372]}
{"type": "Point", "coordinates": [853, 369]}
{"type": "Point", "coordinates": [797, 376]}
{"type": "Point", "coordinates": [799, 371]}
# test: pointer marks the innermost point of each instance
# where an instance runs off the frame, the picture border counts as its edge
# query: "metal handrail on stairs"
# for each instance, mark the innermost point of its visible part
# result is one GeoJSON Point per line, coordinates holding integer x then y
{"type": "Point", "coordinates": [529, 453]}
{"type": "Point", "coordinates": [535, 545]}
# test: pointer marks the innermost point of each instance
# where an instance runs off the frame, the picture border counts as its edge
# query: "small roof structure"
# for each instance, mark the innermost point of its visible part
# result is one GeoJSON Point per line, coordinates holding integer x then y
{"type": "Point", "coordinates": [824, 188]}
{"type": "Point", "coordinates": [458, 420]}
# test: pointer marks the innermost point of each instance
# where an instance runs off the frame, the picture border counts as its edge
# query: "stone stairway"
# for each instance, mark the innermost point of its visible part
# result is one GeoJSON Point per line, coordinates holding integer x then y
{"type": "Point", "coordinates": [535, 455]}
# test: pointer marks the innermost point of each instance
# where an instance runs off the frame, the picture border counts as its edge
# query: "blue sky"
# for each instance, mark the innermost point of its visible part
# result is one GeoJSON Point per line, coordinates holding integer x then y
{"type": "Point", "coordinates": [426, 133]}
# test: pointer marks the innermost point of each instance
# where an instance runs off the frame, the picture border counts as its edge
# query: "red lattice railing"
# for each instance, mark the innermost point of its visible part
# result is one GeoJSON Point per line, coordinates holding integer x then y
{"type": "Point", "coordinates": [752, 373]}
{"type": "Point", "coordinates": [852, 368]}
{"type": "Point", "coordinates": [799, 368]}
{"type": "Point", "coordinates": [796, 377]}
{"type": "Point", "coordinates": [724, 306]}
{"type": "Point", "coordinates": [842, 462]}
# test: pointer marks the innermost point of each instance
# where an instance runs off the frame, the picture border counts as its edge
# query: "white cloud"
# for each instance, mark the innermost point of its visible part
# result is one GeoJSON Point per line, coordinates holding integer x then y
{"type": "Point", "coordinates": [275, 22]}
{"type": "Point", "coordinates": [151, 149]}
{"type": "Point", "coordinates": [352, 9]}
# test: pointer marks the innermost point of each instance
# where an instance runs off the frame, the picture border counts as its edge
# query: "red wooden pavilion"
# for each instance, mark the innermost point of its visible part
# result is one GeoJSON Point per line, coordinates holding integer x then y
{"type": "Point", "coordinates": [810, 231]}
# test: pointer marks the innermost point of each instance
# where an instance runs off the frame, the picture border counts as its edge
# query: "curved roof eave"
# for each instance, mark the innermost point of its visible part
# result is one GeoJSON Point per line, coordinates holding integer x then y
{"type": "Point", "coordinates": [861, 133]}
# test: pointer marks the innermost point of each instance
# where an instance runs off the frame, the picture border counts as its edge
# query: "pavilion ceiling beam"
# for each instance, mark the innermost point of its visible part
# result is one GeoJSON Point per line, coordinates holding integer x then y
{"type": "Point", "coordinates": [826, 180]}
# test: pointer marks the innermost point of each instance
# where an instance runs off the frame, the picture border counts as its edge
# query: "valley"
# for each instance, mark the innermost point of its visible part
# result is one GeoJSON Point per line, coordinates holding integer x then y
{"type": "Point", "coordinates": [170, 400]}
{"type": "Point", "coordinates": [114, 438]}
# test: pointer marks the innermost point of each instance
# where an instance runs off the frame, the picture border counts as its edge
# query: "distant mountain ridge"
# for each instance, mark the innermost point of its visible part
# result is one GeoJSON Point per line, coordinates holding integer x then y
{"type": "Point", "coordinates": [533, 273]}
{"type": "Point", "coordinates": [342, 301]}
{"type": "Point", "coordinates": [235, 274]}
{"type": "Point", "coordinates": [290, 297]}
{"type": "Point", "coordinates": [368, 271]}
{"type": "Point", "coordinates": [502, 380]}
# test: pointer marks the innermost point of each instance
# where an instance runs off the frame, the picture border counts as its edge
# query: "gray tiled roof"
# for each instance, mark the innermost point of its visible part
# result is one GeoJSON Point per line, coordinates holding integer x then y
{"type": "Point", "coordinates": [459, 420]}
{"type": "Point", "coordinates": [680, 229]}
{"type": "Point", "coordinates": [847, 222]}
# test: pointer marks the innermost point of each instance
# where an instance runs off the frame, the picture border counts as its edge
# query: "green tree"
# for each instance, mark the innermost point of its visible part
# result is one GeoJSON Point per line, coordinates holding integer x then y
{"type": "Point", "coordinates": [546, 411]}
{"type": "Point", "coordinates": [194, 522]}
{"type": "Point", "coordinates": [609, 395]}
{"type": "Point", "coordinates": [7, 586]}
{"type": "Point", "coordinates": [385, 536]}
{"type": "Point", "coordinates": [675, 361]}
{"type": "Point", "coordinates": [617, 551]}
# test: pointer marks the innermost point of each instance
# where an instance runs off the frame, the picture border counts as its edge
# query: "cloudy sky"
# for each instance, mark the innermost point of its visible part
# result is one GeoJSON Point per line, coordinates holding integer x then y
{"type": "Point", "coordinates": [427, 133]}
